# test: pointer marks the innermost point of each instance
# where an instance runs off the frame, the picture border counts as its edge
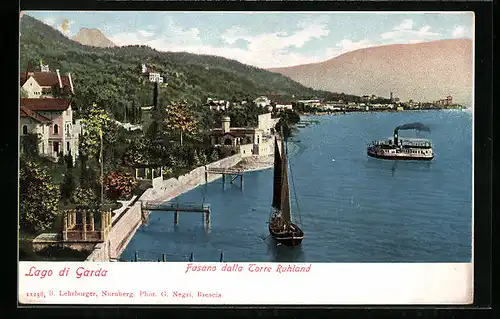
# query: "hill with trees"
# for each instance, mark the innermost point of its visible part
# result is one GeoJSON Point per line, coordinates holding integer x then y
{"type": "Point", "coordinates": [112, 76]}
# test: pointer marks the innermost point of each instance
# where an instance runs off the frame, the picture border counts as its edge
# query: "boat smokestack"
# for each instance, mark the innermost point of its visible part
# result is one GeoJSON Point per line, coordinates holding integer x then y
{"type": "Point", "coordinates": [396, 137]}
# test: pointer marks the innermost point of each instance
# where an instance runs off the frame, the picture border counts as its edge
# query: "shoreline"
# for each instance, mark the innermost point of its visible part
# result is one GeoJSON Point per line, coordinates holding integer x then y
{"type": "Point", "coordinates": [248, 164]}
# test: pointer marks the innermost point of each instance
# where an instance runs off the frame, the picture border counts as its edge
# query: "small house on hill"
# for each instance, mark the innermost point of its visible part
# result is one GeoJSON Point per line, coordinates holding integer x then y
{"type": "Point", "coordinates": [41, 84]}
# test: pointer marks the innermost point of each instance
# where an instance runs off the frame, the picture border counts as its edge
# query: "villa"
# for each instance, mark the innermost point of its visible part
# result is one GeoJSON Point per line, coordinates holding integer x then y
{"type": "Point", "coordinates": [40, 84]}
{"type": "Point", "coordinates": [52, 121]}
{"type": "Point", "coordinates": [245, 140]}
{"type": "Point", "coordinates": [50, 118]}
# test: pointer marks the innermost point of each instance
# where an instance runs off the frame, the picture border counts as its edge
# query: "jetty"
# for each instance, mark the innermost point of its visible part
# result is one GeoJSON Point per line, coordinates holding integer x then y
{"type": "Point", "coordinates": [148, 256]}
{"type": "Point", "coordinates": [231, 173]}
{"type": "Point", "coordinates": [148, 206]}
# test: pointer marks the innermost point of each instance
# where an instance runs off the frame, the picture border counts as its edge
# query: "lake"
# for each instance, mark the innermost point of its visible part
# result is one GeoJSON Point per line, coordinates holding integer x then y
{"type": "Point", "coordinates": [353, 208]}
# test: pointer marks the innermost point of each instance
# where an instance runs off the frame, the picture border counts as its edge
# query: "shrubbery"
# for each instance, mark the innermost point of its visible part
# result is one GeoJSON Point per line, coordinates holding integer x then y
{"type": "Point", "coordinates": [119, 185]}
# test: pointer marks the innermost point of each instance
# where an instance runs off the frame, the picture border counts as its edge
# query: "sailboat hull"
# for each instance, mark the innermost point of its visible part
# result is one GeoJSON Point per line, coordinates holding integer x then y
{"type": "Point", "coordinates": [289, 238]}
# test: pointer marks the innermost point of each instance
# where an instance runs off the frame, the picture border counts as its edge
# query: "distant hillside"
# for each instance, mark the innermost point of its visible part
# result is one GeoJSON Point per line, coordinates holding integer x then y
{"type": "Point", "coordinates": [93, 37]}
{"type": "Point", "coordinates": [423, 71]}
{"type": "Point", "coordinates": [112, 76]}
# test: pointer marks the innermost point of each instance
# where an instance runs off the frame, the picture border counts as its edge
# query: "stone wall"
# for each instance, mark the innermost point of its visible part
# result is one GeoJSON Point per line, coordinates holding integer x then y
{"type": "Point", "coordinates": [125, 228]}
{"type": "Point", "coordinates": [246, 150]}
{"type": "Point", "coordinates": [119, 236]}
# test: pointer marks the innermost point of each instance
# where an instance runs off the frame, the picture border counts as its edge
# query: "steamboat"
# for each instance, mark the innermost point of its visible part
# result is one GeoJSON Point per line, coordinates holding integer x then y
{"type": "Point", "coordinates": [401, 148]}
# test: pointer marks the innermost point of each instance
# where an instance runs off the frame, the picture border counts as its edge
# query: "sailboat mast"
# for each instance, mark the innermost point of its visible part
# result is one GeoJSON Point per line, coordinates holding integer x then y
{"type": "Point", "coordinates": [285, 191]}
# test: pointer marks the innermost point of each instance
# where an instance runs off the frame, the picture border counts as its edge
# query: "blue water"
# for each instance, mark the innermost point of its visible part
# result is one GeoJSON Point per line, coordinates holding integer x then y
{"type": "Point", "coordinates": [354, 208]}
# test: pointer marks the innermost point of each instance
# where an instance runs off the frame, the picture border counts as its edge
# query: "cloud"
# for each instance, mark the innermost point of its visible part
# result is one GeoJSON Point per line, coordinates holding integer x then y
{"type": "Point", "coordinates": [50, 21]}
{"type": "Point", "coordinates": [404, 32]}
{"type": "Point", "coordinates": [144, 33]}
{"type": "Point", "coordinates": [276, 41]}
{"type": "Point", "coordinates": [458, 31]}
{"type": "Point", "coordinates": [65, 27]}
{"type": "Point", "coordinates": [262, 50]}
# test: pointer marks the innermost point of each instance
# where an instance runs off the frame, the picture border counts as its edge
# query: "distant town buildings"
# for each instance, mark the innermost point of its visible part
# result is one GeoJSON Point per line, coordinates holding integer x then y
{"type": "Point", "coordinates": [217, 105]}
{"type": "Point", "coordinates": [262, 101]}
{"type": "Point", "coordinates": [447, 101]}
{"type": "Point", "coordinates": [284, 106]}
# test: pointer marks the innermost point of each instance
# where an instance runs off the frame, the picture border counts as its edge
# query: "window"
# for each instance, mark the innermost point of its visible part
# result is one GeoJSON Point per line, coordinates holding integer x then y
{"type": "Point", "coordinates": [25, 129]}
{"type": "Point", "coordinates": [68, 148]}
{"type": "Point", "coordinates": [56, 146]}
{"type": "Point", "coordinates": [56, 129]}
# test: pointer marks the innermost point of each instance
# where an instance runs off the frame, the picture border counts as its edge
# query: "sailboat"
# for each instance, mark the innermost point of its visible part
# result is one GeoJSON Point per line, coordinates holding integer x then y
{"type": "Point", "coordinates": [281, 226]}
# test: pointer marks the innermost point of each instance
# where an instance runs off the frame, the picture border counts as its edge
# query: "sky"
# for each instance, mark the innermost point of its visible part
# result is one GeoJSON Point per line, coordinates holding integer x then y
{"type": "Point", "coordinates": [264, 39]}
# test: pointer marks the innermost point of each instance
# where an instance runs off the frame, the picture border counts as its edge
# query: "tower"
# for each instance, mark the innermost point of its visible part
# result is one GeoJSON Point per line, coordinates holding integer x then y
{"type": "Point", "coordinates": [226, 124]}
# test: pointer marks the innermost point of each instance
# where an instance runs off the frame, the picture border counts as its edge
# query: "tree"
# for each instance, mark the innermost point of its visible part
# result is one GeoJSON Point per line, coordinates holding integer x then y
{"type": "Point", "coordinates": [29, 144]}
{"type": "Point", "coordinates": [180, 118]}
{"type": "Point", "coordinates": [214, 156]}
{"type": "Point", "coordinates": [38, 198]}
{"type": "Point", "coordinates": [119, 185]}
{"type": "Point", "coordinates": [67, 187]}
{"type": "Point", "coordinates": [95, 122]}
{"type": "Point", "coordinates": [85, 197]}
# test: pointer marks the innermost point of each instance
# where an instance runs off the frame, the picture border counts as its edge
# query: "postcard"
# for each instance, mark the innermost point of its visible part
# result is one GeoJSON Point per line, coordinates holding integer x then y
{"type": "Point", "coordinates": [216, 157]}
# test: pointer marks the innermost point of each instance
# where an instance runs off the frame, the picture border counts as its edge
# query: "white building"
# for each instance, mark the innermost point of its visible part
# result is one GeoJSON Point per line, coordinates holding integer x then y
{"type": "Point", "coordinates": [284, 106]}
{"type": "Point", "coordinates": [40, 84]}
{"type": "Point", "coordinates": [245, 140]}
{"type": "Point", "coordinates": [262, 101]}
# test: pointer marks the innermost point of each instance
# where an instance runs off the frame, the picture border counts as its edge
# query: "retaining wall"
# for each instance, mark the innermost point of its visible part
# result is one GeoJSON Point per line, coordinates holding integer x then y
{"type": "Point", "coordinates": [121, 232]}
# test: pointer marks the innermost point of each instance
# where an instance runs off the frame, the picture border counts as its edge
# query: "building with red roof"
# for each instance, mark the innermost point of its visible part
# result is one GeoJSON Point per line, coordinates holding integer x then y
{"type": "Point", "coordinates": [52, 120]}
{"type": "Point", "coordinates": [40, 84]}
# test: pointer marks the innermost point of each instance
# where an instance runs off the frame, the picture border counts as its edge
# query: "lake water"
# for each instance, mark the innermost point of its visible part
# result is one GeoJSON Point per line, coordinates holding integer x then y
{"type": "Point", "coordinates": [353, 208]}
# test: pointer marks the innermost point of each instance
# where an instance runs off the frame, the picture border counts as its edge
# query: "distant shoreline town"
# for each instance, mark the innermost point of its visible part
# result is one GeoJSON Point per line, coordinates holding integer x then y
{"type": "Point", "coordinates": [323, 106]}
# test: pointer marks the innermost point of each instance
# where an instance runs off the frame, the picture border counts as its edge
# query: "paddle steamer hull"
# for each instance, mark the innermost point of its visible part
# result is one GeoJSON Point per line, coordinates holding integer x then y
{"type": "Point", "coordinates": [396, 156]}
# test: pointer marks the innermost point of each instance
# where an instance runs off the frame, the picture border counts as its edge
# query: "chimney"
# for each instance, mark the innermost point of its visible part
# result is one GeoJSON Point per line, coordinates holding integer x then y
{"type": "Point", "coordinates": [155, 96]}
{"type": "Point", "coordinates": [70, 82]}
{"type": "Point", "coordinates": [59, 78]}
{"type": "Point", "coordinates": [29, 69]}
{"type": "Point", "coordinates": [396, 137]}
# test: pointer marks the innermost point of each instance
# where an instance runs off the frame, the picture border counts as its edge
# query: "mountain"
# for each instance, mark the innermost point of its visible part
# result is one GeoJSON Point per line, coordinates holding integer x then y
{"type": "Point", "coordinates": [112, 76]}
{"type": "Point", "coordinates": [93, 37]}
{"type": "Point", "coordinates": [426, 71]}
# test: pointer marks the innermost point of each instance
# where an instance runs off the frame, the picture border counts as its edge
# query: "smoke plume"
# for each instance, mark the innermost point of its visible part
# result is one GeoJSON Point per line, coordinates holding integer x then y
{"type": "Point", "coordinates": [414, 126]}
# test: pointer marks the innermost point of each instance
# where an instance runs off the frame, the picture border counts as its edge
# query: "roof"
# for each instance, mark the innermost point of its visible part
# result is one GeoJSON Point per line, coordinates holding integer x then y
{"type": "Point", "coordinates": [234, 132]}
{"type": "Point", "coordinates": [48, 104]}
{"type": "Point", "coordinates": [24, 112]}
{"type": "Point", "coordinates": [44, 78]}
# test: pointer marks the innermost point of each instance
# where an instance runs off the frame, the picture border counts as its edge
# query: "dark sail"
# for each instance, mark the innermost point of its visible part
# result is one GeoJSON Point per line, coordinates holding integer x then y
{"type": "Point", "coordinates": [277, 177]}
{"type": "Point", "coordinates": [285, 190]}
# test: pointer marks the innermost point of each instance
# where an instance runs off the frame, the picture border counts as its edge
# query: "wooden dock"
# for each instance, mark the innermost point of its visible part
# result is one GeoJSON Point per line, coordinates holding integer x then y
{"type": "Point", "coordinates": [176, 207]}
{"type": "Point", "coordinates": [232, 173]}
